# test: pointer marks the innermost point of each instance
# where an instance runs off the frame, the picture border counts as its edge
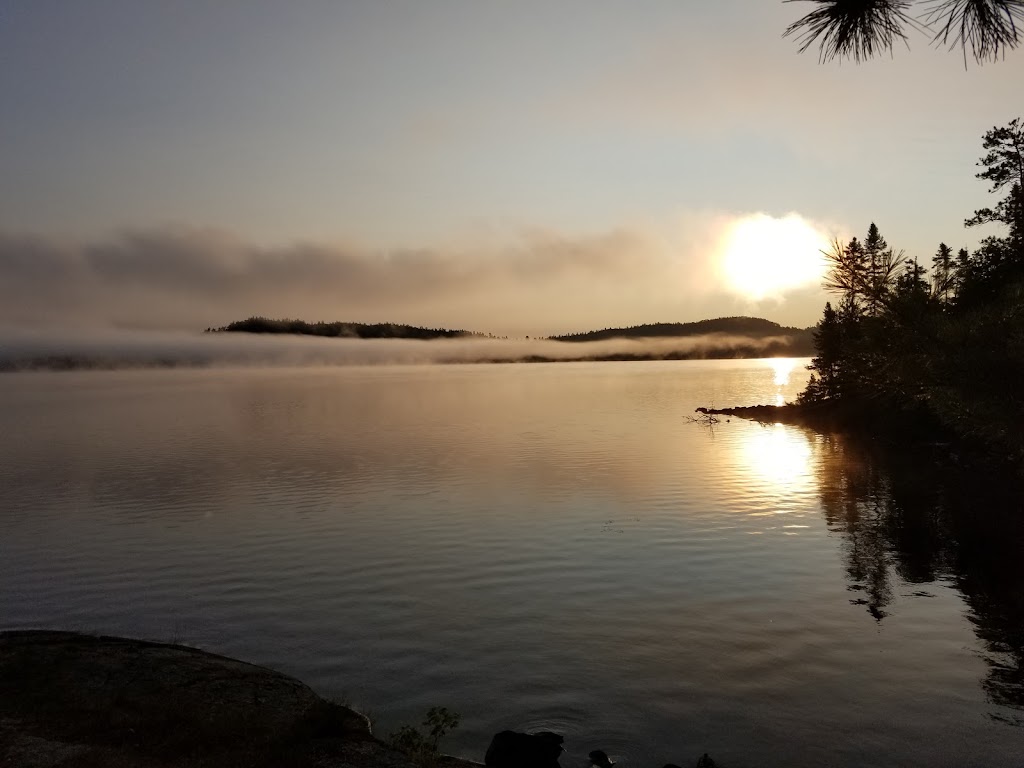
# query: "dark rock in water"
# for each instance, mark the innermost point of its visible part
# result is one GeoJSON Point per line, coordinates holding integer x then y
{"type": "Point", "coordinates": [600, 759]}
{"type": "Point", "coordinates": [509, 749]}
{"type": "Point", "coordinates": [705, 762]}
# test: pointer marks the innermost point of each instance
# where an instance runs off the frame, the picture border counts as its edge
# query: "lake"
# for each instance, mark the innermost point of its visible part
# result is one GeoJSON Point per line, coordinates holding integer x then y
{"type": "Point", "coordinates": [549, 546]}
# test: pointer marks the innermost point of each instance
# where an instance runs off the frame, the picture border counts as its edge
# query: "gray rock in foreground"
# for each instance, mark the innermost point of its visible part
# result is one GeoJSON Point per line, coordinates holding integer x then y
{"type": "Point", "coordinates": [75, 701]}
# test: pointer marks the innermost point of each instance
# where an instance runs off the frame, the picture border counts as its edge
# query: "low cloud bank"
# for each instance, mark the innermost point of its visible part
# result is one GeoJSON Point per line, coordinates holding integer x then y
{"type": "Point", "coordinates": [536, 282]}
{"type": "Point", "coordinates": [25, 350]}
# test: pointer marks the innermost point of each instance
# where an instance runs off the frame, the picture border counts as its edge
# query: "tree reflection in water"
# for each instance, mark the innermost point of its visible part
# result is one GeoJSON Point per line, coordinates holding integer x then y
{"type": "Point", "coordinates": [902, 516]}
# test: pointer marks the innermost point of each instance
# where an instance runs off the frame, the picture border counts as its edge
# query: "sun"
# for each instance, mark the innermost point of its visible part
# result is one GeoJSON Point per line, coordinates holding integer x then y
{"type": "Point", "coordinates": [763, 257]}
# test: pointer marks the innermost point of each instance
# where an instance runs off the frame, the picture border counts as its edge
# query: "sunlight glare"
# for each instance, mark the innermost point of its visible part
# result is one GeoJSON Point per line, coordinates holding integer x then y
{"type": "Point", "coordinates": [764, 257]}
{"type": "Point", "coordinates": [781, 456]}
{"type": "Point", "coordinates": [783, 367]}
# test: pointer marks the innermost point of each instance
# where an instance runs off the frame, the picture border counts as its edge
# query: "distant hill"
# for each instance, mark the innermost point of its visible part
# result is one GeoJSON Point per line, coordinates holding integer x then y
{"type": "Point", "coordinates": [751, 327]}
{"type": "Point", "coordinates": [340, 330]}
{"type": "Point", "coordinates": [722, 337]}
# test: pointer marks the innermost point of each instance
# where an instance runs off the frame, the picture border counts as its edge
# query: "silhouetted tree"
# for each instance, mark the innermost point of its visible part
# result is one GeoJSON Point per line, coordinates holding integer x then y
{"type": "Point", "coordinates": [874, 247]}
{"type": "Point", "coordinates": [860, 29]}
{"type": "Point", "coordinates": [898, 345]}
{"type": "Point", "coordinates": [847, 271]}
{"type": "Point", "coordinates": [863, 273]}
{"type": "Point", "coordinates": [1004, 168]}
{"type": "Point", "coordinates": [942, 273]}
{"type": "Point", "coordinates": [912, 295]}
{"type": "Point", "coordinates": [828, 341]}
{"type": "Point", "coordinates": [961, 269]}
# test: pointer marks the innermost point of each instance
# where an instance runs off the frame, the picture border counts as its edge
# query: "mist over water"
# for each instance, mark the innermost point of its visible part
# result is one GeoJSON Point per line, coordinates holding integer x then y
{"type": "Point", "coordinates": [534, 546]}
{"type": "Point", "coordinates": [113, 349]}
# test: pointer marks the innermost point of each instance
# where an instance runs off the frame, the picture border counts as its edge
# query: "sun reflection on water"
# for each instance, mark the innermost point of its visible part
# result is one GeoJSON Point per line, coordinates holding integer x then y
{"type": "Point", "coordinates": [780, 456]}
{"type": "Point", "coordinates": [783, 367]}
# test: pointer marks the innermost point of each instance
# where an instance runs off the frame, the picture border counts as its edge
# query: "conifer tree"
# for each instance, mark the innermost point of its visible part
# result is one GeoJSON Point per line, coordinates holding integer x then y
{"type": "Point", "coordinates": [1004, 169]}
{"type": "Point", "coordinates": [881, 266]}
{"type": "Point", "coordinates": [861, 29]}
{"type": "Point", "coordinates": [847, 271]}
{"type": "Point", "coordinates": [942, 272]}
{"type": "Point", "coordinates": [961, 270]}
{"type": "Point", "coordinates": [999, 260]}
{"type": "Point", "coordinates": [828, 341]}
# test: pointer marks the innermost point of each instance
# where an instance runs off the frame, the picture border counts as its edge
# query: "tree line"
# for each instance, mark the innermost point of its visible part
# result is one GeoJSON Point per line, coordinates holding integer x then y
{"type": "Point", "coordinates": [753, 327]}
{"type": "Point", "coordinates": [945, 342]}
{"type": "Point", "coordinates": [340, 330]}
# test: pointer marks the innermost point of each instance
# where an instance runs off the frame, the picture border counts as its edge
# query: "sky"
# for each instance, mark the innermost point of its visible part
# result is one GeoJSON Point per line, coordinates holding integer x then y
{"type": "Point", "coordinates": [515, 168]}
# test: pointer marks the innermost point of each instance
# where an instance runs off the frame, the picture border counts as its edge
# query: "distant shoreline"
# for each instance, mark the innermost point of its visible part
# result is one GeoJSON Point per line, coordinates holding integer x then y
{"type": "Point", "coordinates": [260, 342]}
{"type": "Point", "coordinates": [66, 363]}
{"type": "Point", "coordinates": [740, 327]}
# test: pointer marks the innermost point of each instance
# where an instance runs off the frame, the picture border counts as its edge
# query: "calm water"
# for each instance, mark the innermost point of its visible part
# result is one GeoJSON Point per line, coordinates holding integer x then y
{"type": "Point", "coordinates": [534, 546]}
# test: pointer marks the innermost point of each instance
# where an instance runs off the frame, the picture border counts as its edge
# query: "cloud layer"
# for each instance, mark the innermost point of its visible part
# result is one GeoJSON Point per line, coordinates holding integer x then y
{"type": "Point", "coordinates": [532, 282]}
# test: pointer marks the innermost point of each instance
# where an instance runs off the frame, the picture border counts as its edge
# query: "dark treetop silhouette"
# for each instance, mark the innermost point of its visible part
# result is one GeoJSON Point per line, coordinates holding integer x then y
{"type": "Point", "coordinates": [860, 29]}
{"type": "Point", "coordinates": [949, 352]}
{"type": "Point", "coordinates": [917, 359]}
{"type": "Point", "coordinates": [341, 330]}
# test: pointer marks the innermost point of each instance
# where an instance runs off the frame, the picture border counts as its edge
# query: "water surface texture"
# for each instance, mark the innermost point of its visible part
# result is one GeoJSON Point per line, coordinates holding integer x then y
{"type": "Point", "coordinates": [535, 546]}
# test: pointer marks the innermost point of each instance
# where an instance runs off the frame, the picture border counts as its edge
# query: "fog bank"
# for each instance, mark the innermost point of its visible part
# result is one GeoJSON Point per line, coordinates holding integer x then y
{"type": "Point", "coordinates": [535, 282]}
{"type": "Point", "coordinates": [21, 349]}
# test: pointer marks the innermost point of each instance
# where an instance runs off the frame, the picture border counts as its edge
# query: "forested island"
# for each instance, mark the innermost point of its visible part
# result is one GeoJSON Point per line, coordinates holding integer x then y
{"type": "Point", "coordinates": [935, 354]}
{"type": "Point", "coordinates": [749, 327]}
{"type": "Point", "coordinates": [727, 337]}
{"type": "Point", "coordinates": [341, 330]}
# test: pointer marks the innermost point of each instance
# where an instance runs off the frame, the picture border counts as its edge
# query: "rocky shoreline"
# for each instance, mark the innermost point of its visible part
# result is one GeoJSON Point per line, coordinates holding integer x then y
{"type": "Point", "coordinates": [72, 700]}
{"type": "Point", "coordinates": [69, 700]}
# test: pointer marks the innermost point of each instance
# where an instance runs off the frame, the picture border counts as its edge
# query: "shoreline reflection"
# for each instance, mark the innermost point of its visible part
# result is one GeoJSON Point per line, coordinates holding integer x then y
{"type": "Point", "coordinates": [904, 519]}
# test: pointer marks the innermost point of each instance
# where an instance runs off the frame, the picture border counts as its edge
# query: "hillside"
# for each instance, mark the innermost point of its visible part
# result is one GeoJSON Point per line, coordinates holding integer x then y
{"type": "Point", "coordinates": [754, 328]}
{"type": "Point", "coordinates": [750, 327]}
{"type": "Point", "coordinates": [340, 330]}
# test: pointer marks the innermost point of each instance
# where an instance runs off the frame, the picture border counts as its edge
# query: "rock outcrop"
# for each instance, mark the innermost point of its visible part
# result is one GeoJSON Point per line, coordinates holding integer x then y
{"type": "Point", "coordinates": [68, 699]}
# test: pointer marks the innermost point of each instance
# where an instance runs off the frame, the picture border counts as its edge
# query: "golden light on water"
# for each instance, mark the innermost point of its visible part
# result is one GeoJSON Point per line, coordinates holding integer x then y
{"type": "Point", "coordinates": [763, 257]}
{"type": "Point", "coordinates": [783, 367]}
{"type": "Point", "coordinates": [779, 455]}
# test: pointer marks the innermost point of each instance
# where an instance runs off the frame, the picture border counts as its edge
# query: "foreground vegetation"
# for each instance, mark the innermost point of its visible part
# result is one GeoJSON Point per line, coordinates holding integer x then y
{"type": "Point", "coordinates": [939, 351]}
{"type": "Point", "coordinates": [862, 29]}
